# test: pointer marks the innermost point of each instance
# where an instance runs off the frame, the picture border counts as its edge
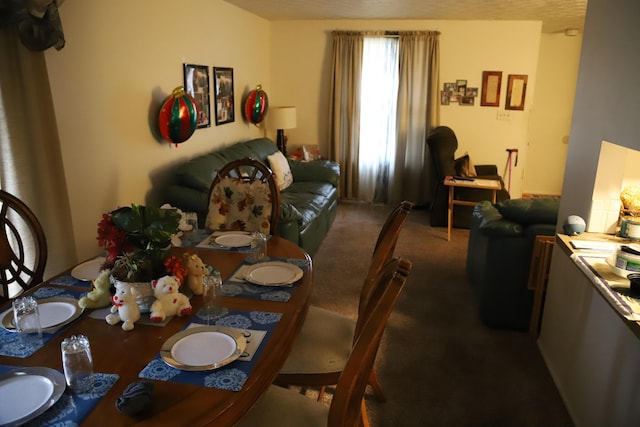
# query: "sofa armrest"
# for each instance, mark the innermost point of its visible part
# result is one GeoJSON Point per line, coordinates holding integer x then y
{"type": "Point", "coordinates": [490, 222]}
{"type": "Point", "coordinates": [316, 170]}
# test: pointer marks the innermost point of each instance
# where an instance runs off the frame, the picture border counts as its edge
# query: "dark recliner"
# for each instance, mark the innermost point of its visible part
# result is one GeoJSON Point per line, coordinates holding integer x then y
{"type": "Point", "coordinates": [501, 243]}
{"type": "Point", "coordinates": [443, 143]}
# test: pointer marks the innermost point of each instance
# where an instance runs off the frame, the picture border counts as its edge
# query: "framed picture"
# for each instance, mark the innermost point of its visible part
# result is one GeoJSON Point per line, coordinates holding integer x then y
{"type": "Point", "coordinates": [516, 91]}
{"type": "Point", "coordinates": [491, 82]}
{"type": "Point", "coordinates": [467, 100]}
{"type": "Point", "coordinates": [444, 97]}
{"type": "Point", "coordinates": [472, 91]}
{"type": "Point", "coordinates": [196, 84]}
{"type": "Point", "coordinates": [449, 88]}
{"type": "Point", "coordinates": [225, 110]}
{"type": "Point", "coordinates": [461, 87]}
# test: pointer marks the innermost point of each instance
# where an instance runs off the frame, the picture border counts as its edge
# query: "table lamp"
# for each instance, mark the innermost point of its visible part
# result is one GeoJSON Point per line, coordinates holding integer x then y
{"type": "Point", "coordinates": [282, 118]}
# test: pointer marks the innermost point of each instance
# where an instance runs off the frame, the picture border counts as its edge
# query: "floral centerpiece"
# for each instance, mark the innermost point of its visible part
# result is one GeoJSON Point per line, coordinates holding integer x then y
{"type": "Point", "coordinates": [137, 240]}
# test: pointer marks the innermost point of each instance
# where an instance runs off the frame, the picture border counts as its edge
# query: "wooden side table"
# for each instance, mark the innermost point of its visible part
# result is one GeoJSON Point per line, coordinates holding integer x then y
{"type": "Point", "coordinates": [485, 184]}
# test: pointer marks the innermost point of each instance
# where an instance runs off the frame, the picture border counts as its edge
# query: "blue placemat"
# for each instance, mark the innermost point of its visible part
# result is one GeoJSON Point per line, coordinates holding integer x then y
{"type": "Point", "coordinates": [69, 280]}
{"type": "Point", "coordinates": [230, 377]}
{"type": "Point", "coordinates": [72, 408]}
{"type": "Point", "coordinates": [203, 238]}
{"type": "Point", "coordinates": [237, 287]}
{"type": "Point", "coordinates": [10, 342]}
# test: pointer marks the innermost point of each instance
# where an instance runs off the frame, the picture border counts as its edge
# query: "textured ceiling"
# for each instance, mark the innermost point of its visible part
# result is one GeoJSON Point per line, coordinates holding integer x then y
{"type": "Point", "coordinates": [556, 15]}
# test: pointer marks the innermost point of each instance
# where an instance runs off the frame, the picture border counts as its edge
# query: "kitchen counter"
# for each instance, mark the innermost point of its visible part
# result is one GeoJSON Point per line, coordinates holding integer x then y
{"type": "Point", "coordinates": [589, 340]}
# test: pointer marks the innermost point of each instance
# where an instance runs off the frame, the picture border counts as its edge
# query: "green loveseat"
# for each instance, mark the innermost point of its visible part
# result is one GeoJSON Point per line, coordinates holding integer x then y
{"type": "Point", "coordinates": [308, 206]}
{"type": "Point", "coordinates": [499, 253]}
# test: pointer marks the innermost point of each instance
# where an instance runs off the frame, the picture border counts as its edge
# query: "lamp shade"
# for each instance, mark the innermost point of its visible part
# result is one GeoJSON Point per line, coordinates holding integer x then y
{"type": "Point", "coordinates": [282, 118]}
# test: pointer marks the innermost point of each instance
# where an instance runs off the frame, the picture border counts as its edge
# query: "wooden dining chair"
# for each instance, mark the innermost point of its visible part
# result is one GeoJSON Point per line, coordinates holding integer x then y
{"type": "Point", "coordinates": [23, 247]}
{"type": "Point", "coordinates": [325, 341]}
{"type": "Point", "coordinates": [244, 196]}
{"type": "Point", "coordinates": [286, 408]}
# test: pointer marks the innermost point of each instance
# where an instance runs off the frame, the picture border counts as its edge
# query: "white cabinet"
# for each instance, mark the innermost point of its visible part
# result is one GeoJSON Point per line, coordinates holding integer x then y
{"type": "Point", "coordinates": [593, 353]}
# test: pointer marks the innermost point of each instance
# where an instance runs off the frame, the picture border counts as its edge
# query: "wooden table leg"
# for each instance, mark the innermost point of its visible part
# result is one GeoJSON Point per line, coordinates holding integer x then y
{"type": "Point", "coordinates": [450, 214]}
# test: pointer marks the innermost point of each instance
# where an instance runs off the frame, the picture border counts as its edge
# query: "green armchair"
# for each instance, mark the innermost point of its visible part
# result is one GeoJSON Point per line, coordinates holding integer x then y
{"type": "Point", "coordinates": [499, 253]}
{"type": "Point", "coordinates": [442, 144]}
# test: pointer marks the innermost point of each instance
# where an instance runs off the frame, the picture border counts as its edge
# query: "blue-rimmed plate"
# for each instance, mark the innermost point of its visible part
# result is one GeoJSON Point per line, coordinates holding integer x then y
{"type": "Point", "coordinates": [26, 393]}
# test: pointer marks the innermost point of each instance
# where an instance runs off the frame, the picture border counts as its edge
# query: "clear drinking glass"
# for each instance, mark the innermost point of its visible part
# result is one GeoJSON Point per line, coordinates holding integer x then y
{"type": "Point", "coordinates": [258, 247]}
{"type": "Point", "coordinates": [212, 295]}
{"type": "Point", "coordinates": [77, 363]}
{"type": "Point", "coordinates": [26, 319]}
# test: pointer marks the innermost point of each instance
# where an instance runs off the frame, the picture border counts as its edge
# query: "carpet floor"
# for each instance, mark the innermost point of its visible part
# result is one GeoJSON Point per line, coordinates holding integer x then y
{"type": "Point", "coordinates": [438, 364]}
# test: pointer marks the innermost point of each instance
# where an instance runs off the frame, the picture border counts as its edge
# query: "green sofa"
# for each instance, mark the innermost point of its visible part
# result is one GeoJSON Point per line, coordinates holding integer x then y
{"type": "Point", "coordinates": [499, 253]}
{"type": "Point", "coordinates": [308, 206]}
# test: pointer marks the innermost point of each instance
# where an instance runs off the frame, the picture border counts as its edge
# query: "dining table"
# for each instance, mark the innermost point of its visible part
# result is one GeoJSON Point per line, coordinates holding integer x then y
{"type": "Point", "coordinates": [133, 356]}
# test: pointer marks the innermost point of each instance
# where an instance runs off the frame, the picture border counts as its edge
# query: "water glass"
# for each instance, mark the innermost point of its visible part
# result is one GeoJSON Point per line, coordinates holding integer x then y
{"type": "Point", "coordinates": [212, 295]}
{"type": "Point", "coordinates": [258, 247]}
{"type": "Point", "coordinates": [26, 319]}
{"type": "Point", "coordinates": [77, 363]}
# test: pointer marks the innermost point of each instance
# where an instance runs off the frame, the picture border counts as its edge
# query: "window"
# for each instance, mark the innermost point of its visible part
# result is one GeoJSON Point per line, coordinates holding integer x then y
{"type": "Point", "coordinates": [378, 100]}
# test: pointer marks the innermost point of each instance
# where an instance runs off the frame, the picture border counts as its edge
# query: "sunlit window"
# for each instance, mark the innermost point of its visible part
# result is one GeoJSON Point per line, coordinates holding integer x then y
{"type": "Point", "coordinates": [378, 113]}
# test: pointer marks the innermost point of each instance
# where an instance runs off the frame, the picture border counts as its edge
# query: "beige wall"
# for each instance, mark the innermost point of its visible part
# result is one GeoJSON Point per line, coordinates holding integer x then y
{"type": "Point", "coordinates": [121, 59]}
{"type": "Point", "coordinates": [300, 63]}
{"type": "Point", "coordinates": [551, 113]}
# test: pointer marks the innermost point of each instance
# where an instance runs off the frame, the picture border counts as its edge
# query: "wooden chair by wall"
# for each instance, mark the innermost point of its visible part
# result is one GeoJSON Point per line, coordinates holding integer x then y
{"type": "Point", "coordinates": [246, 171]}
{"type": "Point", "coordinates": [538, 278]}
{"type": "Point", "coordinates": [23, 247]}
{"type": "Point", "coordinates": [284, 408]}
{"type": "Point", "coordinates": [325, 341]}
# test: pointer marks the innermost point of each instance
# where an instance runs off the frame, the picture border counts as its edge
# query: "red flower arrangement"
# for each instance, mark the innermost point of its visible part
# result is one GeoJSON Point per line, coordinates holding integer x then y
{"type": "Point", "coordinates": [137, 240]}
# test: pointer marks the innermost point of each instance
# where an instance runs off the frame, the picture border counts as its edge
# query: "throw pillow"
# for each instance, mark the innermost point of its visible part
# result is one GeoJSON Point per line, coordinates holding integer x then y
{"type": "Point", "coordinates": [465, 167]}
{"type": "Point", "coordinates": [280, 167]}
{"type": "Point", "coordinates": [238, 205]}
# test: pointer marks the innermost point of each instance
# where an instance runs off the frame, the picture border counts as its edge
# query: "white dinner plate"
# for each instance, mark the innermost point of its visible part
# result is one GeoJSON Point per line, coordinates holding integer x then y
{"type": "Point", "coordinates": [234, 240]}
{"type": "Point", "coordinates": [54, 312]}
{"type": "Point", "coordinates": [88, 270]}
{"type": "Point", "coordinates": [26, 393]}
{"type": "Point", "coordinates": [611, 261]}
{"type": "Point", "coordinates": [203, 348]}
{"type": "Point", "coordinates": [273, 273]}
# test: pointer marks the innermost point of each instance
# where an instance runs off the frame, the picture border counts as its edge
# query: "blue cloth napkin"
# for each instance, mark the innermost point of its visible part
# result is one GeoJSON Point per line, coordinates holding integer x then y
{"type": "Point", "coordinates": [230, 377]}
{"type": "Point", "coordinates": [72, 408]}
{"type": "Point", "coordinates": [10, 342]}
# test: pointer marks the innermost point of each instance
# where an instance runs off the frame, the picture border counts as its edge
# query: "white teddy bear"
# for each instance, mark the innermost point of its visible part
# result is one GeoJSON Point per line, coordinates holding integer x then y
{"type": "Point", "coordinates": [169, 301]}
{"type": "Point", "coordinates": [125, 308]}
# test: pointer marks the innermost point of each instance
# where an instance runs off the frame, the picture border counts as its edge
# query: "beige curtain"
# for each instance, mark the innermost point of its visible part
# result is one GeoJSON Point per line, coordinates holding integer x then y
{"type": "Point", "coordinates": [418, 113]}
{"type": "Point", "coordinates": [344, 109]}
{"type": "Point", "coordinates": [30, 155]}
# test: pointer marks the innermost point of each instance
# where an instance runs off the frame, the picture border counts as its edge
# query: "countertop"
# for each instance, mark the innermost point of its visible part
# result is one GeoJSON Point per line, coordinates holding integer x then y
{"type": "Point", "coordinates": [589, 251]}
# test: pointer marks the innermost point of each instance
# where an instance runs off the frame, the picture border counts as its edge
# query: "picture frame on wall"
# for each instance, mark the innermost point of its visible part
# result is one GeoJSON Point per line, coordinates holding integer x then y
{"type": "Point", "coordinates": [224, 102]}
{"type": "Point", "coordinates": [196, 84]}
{"type": "Point", "coordinates": [516, 91]}
{"type": "Point", "coordinates": [461, 87]}
{"type": "Point", "coordinates": [467, 100]}
{"type": "Point", "coordinates": [491, 83]}
{"type": "Point", "coordinates": [444, 97]}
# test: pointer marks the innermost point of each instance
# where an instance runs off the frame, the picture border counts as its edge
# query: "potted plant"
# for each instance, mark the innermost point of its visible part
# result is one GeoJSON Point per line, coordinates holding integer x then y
{"type": "Point", "coordinates": [137, 240]}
